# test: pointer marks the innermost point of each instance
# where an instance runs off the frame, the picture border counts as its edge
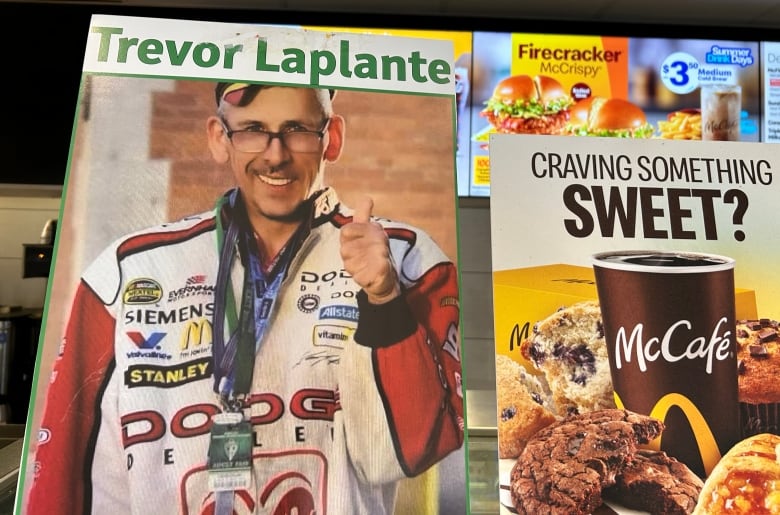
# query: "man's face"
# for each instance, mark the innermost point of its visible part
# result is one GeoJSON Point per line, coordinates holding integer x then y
{"type": "Point", "coordinates": [276, 181]}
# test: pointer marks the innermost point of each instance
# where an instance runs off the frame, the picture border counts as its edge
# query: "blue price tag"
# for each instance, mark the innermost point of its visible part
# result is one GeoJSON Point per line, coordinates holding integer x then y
{"type": "Point", "coordinates": [680, 73]}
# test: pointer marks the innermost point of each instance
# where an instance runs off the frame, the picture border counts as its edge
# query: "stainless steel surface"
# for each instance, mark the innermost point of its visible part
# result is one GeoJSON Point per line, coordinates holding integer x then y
{"type": "Point", "coordinates": [483, 475]}
{"type": "Point", "coordinates": [10, 460]}
{"type": "Point", "coordinates": [481, 412]}
{"type": "Point", "coordinates": [10, 433]}
{"type": "Point", "coordinates": [483, 451]}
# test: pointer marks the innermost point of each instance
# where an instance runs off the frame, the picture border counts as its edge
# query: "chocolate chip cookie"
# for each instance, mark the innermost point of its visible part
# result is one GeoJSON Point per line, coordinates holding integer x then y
{"type": "Point", "coordinates": [656, 483]}
{"type": "Point", "coordinates": [565, 466]}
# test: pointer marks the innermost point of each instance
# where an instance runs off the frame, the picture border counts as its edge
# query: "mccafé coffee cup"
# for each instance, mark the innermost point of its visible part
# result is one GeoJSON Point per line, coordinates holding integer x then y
{"type": "Point", "coordinates": [669, 325]}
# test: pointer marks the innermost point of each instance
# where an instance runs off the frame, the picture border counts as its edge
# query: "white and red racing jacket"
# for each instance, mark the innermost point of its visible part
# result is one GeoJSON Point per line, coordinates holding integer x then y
{"type": "Point", "coordinates": [347, 398]}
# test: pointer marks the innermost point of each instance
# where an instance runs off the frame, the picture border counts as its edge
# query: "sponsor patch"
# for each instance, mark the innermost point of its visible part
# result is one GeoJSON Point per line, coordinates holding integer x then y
{"type": "Point", "coordinates": [142, 291]}
{"type": "Point", "coordinates": [308, 303]}
{"type": "Point", "coordinates": [148, 347]}
{"type": "Point", "coordinates": [196, 338]}
{"type": "Point", "coordinates": [332, 335]}
{"type": "Point", "coordinates": [168, 377]}
{"type": "Point", "coordinates": [449, 301]}
{"type": "Point", "coordinates": [142, 342]}
{"type": "Point", "coordinates": [168, 316]}
{"type": "Point", "coordinates": [194, 285]}
{"type": "Point", "coordinates": [339, 312]}
{"type": "Point", "coordinates": [196, 279]}
{"type": "Point", "coordinates": [452, 342]}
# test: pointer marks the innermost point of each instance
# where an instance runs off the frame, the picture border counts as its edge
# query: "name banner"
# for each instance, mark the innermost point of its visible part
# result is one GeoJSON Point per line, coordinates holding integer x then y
{"type": "Point", "coordinates": [273, 54]}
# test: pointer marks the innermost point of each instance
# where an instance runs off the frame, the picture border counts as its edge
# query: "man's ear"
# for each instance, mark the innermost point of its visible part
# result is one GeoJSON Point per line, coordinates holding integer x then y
{"type": "Point", "coordinates": [217, 140]}
{"type": "Point", "coordinates": [335, 138]}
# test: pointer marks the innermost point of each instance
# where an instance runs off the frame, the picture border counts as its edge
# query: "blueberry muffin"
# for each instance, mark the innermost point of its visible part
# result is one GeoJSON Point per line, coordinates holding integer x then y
{"type": "Point", "coordinates": [568, 347]}
{"type": "Point", "coordinates": [522, 406]}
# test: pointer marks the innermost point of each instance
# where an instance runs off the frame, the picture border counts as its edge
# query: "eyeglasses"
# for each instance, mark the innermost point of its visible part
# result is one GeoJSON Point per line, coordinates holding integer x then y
{"type": "Point", "coordinates": [295, 139]}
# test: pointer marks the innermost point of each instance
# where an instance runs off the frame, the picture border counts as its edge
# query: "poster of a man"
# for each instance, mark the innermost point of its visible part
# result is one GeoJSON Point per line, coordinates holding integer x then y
{"type": "Point", "coordinates": [213, 295]}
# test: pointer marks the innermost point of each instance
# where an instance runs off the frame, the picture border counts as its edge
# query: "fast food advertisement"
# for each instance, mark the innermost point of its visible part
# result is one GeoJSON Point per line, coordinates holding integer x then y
{"type": "Point", "coordinates": [697, 89]}
{"type": "Point", "coordinates": [610, 86]}
{"type": "Point", "coordinates": [634, 285]}
{"type": "Point", "coordinates": [528, 83]}
{"type": "Point", "coordinates": [197, 148]}
{"type": "Point", "coordinates": [770, 72]}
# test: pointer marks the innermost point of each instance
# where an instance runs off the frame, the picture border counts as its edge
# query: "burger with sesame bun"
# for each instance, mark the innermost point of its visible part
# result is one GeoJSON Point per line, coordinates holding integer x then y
{"type": "Point", "coordinates": [528, 105]}
{"type": "Point", "coordinates": [609, 117]}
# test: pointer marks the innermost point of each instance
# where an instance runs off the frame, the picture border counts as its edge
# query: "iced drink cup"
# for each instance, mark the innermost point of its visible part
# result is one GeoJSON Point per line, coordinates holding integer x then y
{"type": "Point", "coordinates": [669, 325]}
{"type": "Point", "coordinates": [721, 105]}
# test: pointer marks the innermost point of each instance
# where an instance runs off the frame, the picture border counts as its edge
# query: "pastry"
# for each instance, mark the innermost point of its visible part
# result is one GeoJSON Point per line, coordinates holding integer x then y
{"type": "Point", "coordinates": [522, 405]}
{"type": "Point", "coordinates": [656, 483]}
{"type": "Point", "coordinates": [568, 347]}
{"type": "Point", "coordinates": [746, 480]}
{"type": "Point", "coordinates": [758, 362]}
{"type": "Point", "coordinates": [565, 466]}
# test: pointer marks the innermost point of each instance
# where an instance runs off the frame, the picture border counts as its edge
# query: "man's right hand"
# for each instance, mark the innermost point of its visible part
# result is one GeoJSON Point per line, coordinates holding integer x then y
{"type": "Point", "coordinates": [365, 251]}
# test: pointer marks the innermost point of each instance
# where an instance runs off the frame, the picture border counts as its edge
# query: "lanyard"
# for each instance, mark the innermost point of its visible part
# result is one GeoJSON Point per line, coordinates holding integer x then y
{"type": "Point", "coordinates": [259, 299]}
{"type": "Point", "coordinates": [234, 359]}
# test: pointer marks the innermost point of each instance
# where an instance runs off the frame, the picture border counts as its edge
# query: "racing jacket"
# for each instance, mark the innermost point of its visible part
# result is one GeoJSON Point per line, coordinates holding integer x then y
{"type": "Point", "coordinates": [346, 397]}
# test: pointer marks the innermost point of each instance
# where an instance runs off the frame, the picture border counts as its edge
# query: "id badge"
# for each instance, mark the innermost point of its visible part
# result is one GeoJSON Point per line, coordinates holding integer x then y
{"type": "Point", "coordinates": [230, 453]}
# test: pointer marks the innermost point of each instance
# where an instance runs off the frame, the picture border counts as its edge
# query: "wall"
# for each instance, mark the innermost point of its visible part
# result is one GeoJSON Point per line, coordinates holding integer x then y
{"type": "Point", "coordinates": [23, 213]}
{"type": "Point", "coordinates": [476, 294]}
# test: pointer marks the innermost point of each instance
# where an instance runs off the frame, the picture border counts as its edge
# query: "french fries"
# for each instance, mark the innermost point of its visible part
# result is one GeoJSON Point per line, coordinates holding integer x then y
{"type": "Point", "coordinates": [684, 124]}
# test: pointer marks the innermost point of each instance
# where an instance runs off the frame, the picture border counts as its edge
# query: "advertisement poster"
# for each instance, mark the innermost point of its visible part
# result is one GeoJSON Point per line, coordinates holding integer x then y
{"type": "Point", "coordinates": [648, 88]}
{"type": "Point", "coordinates": [239, 304]}
{"type": "Point", "coordinates": [633, 285]}
{"type": "Point", "coordinates": [770, 71]}
{"type": "Point", "coordinates": [697, 89]}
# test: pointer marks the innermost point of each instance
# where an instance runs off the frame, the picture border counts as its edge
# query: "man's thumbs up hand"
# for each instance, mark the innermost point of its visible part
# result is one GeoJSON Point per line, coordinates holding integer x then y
{"type": "Point", "coordinates": [365, 251]}
{"type": "Point", "coordinates": [362, 212]}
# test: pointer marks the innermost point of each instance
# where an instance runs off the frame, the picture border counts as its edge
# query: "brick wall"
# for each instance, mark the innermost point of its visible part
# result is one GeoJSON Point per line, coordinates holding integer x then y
{"type": "Point", "coordinates": [398, 149]}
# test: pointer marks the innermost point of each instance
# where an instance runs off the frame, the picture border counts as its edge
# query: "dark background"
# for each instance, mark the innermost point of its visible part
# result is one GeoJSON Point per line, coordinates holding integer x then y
{"type": "Point", "coordinates": [42, 49]}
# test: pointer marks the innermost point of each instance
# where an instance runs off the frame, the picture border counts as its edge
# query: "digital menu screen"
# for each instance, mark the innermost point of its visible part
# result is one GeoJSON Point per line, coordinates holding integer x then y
{"type": "Point", "coordinates": [770, 70]}
{"type": "Point", "coordinates": [575, 85]}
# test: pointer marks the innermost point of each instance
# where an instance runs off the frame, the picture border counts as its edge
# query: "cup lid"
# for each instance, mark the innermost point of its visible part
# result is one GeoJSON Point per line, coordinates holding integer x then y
{"type": "Point", "coordinates": [662, 261]}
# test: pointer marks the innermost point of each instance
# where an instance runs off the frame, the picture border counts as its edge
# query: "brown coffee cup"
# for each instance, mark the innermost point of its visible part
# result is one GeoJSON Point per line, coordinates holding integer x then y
{"type": "Point", "coordinates": [669, 325]}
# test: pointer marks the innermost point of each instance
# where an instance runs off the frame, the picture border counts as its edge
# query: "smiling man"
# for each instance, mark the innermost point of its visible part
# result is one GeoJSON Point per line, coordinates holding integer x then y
{"type": "Point", "coordinates": [311, 361]}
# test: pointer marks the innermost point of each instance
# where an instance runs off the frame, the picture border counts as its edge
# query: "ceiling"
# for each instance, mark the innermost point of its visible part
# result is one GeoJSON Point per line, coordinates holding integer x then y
{"type": "Point", "coordinates": [763, 14]}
